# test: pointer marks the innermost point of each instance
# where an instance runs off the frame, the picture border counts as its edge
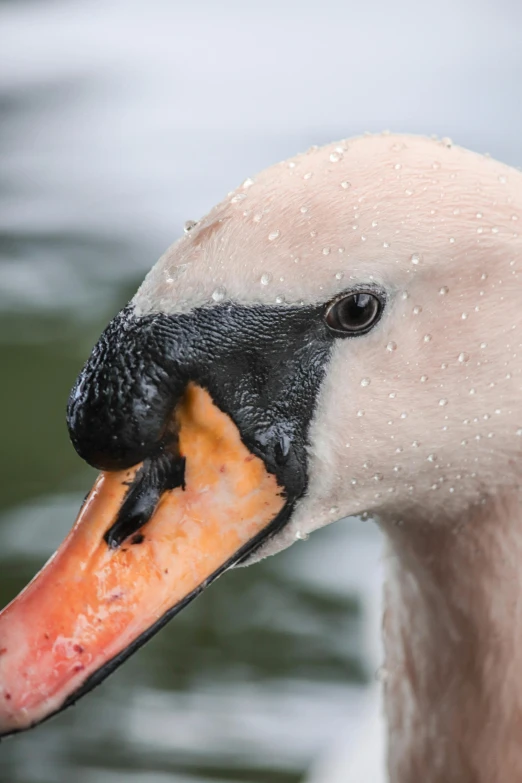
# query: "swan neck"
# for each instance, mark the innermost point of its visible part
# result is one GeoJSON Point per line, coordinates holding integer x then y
{"type": "Point", "coordinates": [453, 646]}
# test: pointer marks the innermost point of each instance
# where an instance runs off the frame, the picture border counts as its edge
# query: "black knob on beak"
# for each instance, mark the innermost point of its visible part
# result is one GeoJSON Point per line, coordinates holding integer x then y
{"type": "Point", "coordinates": [121, 405]}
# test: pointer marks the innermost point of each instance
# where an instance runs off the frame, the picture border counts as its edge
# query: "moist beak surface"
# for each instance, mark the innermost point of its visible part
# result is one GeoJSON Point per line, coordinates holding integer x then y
{"type": "Point", "coordinates": [93, 604]}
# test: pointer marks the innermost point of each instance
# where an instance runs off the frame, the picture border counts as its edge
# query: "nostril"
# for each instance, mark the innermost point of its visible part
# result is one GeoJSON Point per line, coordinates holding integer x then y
{"type": "Point", "coordinates": [282, 449]}
{"type": "Point", "coordinates": [154, 478]}
{"type": "Point", "coordinates": [274, 447]}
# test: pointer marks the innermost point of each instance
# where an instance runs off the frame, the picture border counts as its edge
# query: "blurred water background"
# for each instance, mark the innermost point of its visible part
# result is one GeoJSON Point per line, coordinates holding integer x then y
{"type": "Point", "coordinates": [119, 121]}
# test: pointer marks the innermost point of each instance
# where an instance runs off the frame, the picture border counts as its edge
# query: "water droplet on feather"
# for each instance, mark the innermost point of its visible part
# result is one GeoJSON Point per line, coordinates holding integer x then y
{"type": "Point", "coordinates": [219, 294]}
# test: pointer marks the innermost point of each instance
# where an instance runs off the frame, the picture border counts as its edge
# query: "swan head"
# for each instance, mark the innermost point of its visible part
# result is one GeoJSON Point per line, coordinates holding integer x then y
{"type": "Point", "coordinates": [413, 413]}
{"type": "Point", "coordinates": [337, 337]}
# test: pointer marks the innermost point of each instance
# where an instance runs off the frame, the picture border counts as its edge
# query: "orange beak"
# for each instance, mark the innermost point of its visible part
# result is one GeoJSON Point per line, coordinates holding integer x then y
{"type": "Point", "coordinates": [92, 605]}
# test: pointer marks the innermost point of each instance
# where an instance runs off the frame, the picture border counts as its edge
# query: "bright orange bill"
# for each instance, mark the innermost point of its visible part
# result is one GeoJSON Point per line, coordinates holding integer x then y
{"type": "Point", "coordinates": [90, 603]}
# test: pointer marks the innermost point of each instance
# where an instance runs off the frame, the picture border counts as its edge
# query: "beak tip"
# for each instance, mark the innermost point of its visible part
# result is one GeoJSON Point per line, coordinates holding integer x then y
{"type": "Point", "coordinates": [94, 603]}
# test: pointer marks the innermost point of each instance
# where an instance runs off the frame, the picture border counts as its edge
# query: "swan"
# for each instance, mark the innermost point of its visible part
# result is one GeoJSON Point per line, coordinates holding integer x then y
{"type": "Point", "coordinates": [340, 336]}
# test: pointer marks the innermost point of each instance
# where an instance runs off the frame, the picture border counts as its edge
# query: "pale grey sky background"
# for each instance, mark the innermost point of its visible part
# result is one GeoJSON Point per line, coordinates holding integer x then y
{"type": "Point", "coordinates": [130, 117]}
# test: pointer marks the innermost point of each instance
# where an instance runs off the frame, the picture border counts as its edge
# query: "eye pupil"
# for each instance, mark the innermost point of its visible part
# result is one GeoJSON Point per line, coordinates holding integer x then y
{"type": "Point", "coordinates": [355, 313]}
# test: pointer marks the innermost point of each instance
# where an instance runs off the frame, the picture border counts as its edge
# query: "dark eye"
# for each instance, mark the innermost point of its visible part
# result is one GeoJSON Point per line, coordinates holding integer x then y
{"type": "Point", "coordinates": [355, 313]}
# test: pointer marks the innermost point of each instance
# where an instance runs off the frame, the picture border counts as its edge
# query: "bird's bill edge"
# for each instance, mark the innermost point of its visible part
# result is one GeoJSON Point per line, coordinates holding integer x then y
{"type": "Point", "coordinates": [92, 604]}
